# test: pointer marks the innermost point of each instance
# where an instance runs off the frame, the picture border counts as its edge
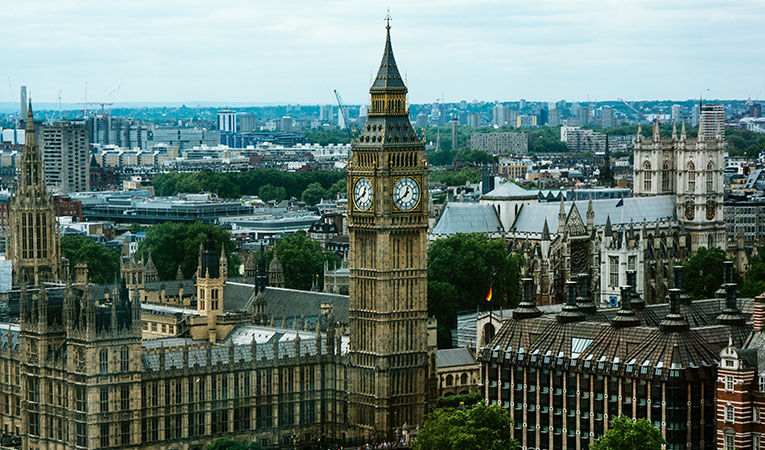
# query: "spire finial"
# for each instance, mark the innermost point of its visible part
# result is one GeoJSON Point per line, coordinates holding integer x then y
{"type": "Point", "coordinates": [30, 118]}
{"type": "Point", "coordinates": [388, 18]}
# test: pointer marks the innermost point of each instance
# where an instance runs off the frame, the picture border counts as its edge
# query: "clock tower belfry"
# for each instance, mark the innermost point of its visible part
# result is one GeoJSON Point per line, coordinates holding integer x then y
{"type": "Point", "coordinates": [387, 223]}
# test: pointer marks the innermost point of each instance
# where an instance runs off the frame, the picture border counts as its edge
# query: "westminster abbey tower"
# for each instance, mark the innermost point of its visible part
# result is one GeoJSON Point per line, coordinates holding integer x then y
{"type": "Point", "coordinates": [387, 222]}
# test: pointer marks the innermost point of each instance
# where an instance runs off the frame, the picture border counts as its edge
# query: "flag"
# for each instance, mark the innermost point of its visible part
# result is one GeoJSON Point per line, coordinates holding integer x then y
{"type": "Point", "coordinates": [621, 203]}
{"type": "Point", "coordinates": [488, 296]}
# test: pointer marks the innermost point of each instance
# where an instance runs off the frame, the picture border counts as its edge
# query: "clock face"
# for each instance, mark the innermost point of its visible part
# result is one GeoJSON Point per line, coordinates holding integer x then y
{"type": "Point", "coordinates": [362, 194]}
{"type": "Point", "coordinates": [406, 194]}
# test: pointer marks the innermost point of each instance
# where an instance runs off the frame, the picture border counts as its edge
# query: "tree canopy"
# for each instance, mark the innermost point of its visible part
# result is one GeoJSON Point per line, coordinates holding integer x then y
{"type": "Point", "coordinates": [173, 244]}
{"type": "Point", "coordinates": [103, 263]}
{"type": "Point", "coordinates": [302, 260]}
{"type": "Point", "coordinates": [236, 184]}
{"type": "Point", "coordinates": [452, 178]}
{"type": "Point", "coordinates": [460, 270]}
{"type": "Point", "coordinates": [480, 427]}
{"type": "Point", "coordinates": [313, 194]}
{"type": "Point", "coordinates": [703, 272]}
{"type": "Point", "coordinates": [754, 282]}
{"type": "Point", "coordinates": [624, 434]}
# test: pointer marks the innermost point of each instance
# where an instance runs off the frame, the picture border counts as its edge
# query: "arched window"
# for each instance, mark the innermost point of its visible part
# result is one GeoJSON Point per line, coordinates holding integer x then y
{"type": "Point", "coordinates": [103, 361]}
{"type": "Point", "coordinates": [665, 177]}
{"type": "Point", "coordinates": [691, 177]}
{"type": "Point", "coordinates": [124, 359]}
{"type": "Point", "coordinates": [488, 333]}
{"type": "Point", "coordinates": [647, 176]}
{"type": "Point", "coordinates": [710, 176]}
{"type": "Point", "coordinates": [449, 380]}
{"type": "Point", "coordinates": [463, 378]}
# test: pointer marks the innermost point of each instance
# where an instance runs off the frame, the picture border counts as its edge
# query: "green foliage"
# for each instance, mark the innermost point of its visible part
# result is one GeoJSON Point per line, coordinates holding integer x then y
{"type": "Point", "coordinates": [546, 144]}
{"type": "Point", "coordinates": [236, 184]}
{"type": "Point", "coordinates": [474, 156]}
{"type": "Point", "coordinates": [745, 142]}
{"type": "Point", "coordinates": [455, 401]}
{"type": "Point", "coordinates": [624, 434]}
{"type": "Point", "coordinates": [470, 174]}
{"type": "Point", "coordinates": [703, 273]}
{"type": "Point", "coordinates": [302, 260]}
{"type": "Point", "coordinates": [174, 244]}
{"type": "Point", "coordinates": [460, 270]}
{"type": "Point", "coordinates": [103, 263]}
{"type": "Point", "coordinates": [480, 427]}
{"type": "Point", "coordinates": [270, 192]}
{"type": "Point", "coordinates": [231, 444]}
{"type": "Point", "coordinates": [339, 187]}
{"type": "Point", "coordinates": [441, 158]}
{"type": "Point", "coordinates": [325, 137]}
{"type": "Point", "coordinates": [754, 283]}
{"type": "Point", "coordinates": [313, 194]}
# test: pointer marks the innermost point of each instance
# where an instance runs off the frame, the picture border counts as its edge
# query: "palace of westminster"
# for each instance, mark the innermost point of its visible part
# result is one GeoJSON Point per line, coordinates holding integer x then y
{"type": "Point", "coordinates": [92, 366]}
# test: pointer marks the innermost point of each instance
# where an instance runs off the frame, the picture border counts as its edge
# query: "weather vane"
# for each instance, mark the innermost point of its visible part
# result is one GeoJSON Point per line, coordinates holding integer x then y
{"type": "Point", "coordinates": [387, 18]}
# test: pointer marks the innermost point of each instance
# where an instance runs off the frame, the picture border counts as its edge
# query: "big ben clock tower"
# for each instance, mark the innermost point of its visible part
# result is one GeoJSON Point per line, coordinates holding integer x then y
{"type": "Point", "coordinates": [387, 222]}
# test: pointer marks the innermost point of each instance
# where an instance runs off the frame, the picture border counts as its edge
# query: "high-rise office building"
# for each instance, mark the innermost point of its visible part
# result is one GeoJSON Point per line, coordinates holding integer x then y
{"type": "Point", "coordinates": [65, 152]}
{"type": "Point", "coordinates": [473, 120]}
{"type": "Point", "coordinates": [553, 118]}
{"type": "Point", "coordinates": [678, 113]}
{"type": "Point", "coordinates": [23, 103]}
{"type": "Point", "coordinates": [607, 117]}
{"type": "Point", "coordinates": [227, 120]}
{"type": "Point", "coordinates": [455, 136]}
{"type": "Point", "coordinates": [712, 121]}
{"type": "Point", "coordinates": [583, 115]}
{"type": "Point", "coordinates": [325, 113]}
{"type": "Point", "coordinates": [246, 122]}
{"type": "Point", "coordinates": [499, 115]}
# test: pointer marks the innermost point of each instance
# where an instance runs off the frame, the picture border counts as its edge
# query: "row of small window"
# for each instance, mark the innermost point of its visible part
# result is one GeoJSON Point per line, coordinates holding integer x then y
{"type": "Point", "coordinates": [730, 442]}
{"type": "Point", "coordinates": [449, 379]}
{"type": "Point", "coordinates": [10, 372]}
{"type": "Point", "coordinates": [163, 328]}
{"type": "Point", "coordinates": [730, 414]}
{"type": "Point", "coordinates": [122, 356]}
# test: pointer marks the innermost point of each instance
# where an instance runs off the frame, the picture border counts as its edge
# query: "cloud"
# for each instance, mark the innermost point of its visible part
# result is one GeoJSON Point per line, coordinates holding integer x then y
{"type": "Point", "coordinates": [299, 51]}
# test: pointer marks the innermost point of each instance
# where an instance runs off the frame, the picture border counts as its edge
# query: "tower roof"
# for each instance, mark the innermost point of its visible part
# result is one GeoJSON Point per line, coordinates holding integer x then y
{"type": "Point", "coordinates": [388, 77]}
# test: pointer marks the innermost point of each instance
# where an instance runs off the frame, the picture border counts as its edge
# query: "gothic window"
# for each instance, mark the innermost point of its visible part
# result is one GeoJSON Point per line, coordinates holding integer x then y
{"type": "Point", "coordinates": [691, 177]}
{"type": "Point", "coordinates": [463, 378]}
{"type": "Point", "coordinates": [647, 176]}
{"type": "Point", "coordinates": [124, 359]}
{"type": "Point", "coordinates": [665, 173]}
{"type": "Point", "coordinates": [104, 399]}
{"type": "Point", "coordinates": [631, 263]}
{"type": "Point", "coordinates": [613, 271]}
{"type": "Point", "coordinates": [449, 380]}
{"type": "Point", "coordinates": [103, 361]}
{"type": "Point", "coordinates": [710, 177]}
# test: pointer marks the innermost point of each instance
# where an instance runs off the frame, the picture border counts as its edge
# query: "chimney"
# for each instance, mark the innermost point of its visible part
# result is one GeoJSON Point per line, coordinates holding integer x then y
{"type": "Point", "coordinates": [674, 321]}
{"type": "Point", "coordinates": [571, 312]}
{"type": "Point", "coordinates": [759, 311]}
{"type": "Point", "coordinates": [527, 309]}
{"type": "Point", "coordinates": [625, 317]}
{"type": "Point", "coordinates": [583, 300]}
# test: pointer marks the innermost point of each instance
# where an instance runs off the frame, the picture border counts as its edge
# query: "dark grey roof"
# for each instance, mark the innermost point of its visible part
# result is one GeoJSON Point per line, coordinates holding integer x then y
{"type": "Point", "coordinates": [281, 302]}
{"type": "Point", "coordinates": [172, 287]}
{"type": "Point", "coordinates": [531, 217]}
{"type": "Point", "coordinates": [467, 218]}
{"type": "Point", "coordinates": [452, 357]}
{"type": "Point", "coordinates": [238, 297]}
{"type": "Point", "coordinates": [388, 76]}
{"type": "Point", "coordinates": [509, 191]}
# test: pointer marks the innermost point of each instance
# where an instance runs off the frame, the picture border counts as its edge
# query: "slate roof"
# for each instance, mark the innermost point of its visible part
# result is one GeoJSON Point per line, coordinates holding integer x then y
{"type": "Point", "coordinates": [282, 302]}
{"type": "Point", "coordinates": [454, 357]}
{"type": "Point", "coordinates": [241, 338]}
{"type": "Point", "coordinates": [388, 76]}
{"type": "Point", "coordinates": [168, 310]}
{"type": "Point", "coordinates": [509, 191]}
{"type": "Point", "coordinates": [467, 218]}
{"type": "Point", "coordinates": [238, 297]}
{"type": "Point", "coordinates": [636, 209]}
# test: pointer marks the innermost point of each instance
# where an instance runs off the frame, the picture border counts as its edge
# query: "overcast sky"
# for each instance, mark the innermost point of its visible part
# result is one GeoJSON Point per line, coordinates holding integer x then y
{"type": "Point", "coordinates": [294, 51]}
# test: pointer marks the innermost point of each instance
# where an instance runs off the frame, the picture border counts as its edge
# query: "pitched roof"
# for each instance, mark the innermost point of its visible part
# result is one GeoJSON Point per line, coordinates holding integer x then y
{"type": "Point", "coordinates": [509, 190]}
{"type": "Point", "coordinates": [453, 357]}
{"type": "Point", "coordinates": [282, 302]}
{"type": "Point", "coordinates": [388, 76]}
{"type": "Point", "coordinates": [467, 218]}
{"type": "Point", "coordinates": [635, 209]}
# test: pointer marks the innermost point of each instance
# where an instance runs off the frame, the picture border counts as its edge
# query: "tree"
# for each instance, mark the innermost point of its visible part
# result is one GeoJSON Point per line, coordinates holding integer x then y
{"type": "Point", "coordinates": [460, 270]}
{"type": "Point", "coordinates": [339, 187]}
{"type": "Point", "coordinates": [451, 178]}
{"type": "Point", "coordinates": [754, 282]}
{"type": "Point", "coordinates": [480, 427]}
{"type": "Point", "coordinates": [313, 194]}
{"type": "Point", "coordinates": [173, 244]}
{"type": "Point", "coordinates": [269, 192]}
{"type": "Point", "coordinates": [624, 434]}
{"type": "Point", "coordinates": [103, 263]}
{"type": "Point", "coordinates": [703, 273]}
{"type": "Point", "coordinates": [302, 260]}
{"type": "Point", "coordinates": [232, 444]}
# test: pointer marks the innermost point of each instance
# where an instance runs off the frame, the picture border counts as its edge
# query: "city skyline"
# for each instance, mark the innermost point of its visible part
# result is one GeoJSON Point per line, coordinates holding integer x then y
{"type": "Point", "coordinates": [299, 53]}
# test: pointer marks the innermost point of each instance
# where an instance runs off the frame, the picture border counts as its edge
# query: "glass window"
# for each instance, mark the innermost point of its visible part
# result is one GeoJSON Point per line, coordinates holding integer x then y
{"type": "Point", "coordinates": [729, 413]}
{"type": "Point", "coordinates": [104, 361]}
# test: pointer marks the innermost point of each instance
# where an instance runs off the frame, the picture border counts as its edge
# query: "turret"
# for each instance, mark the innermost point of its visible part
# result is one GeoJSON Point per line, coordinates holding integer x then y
{"type": "Point", "coordinates": [561, 216]}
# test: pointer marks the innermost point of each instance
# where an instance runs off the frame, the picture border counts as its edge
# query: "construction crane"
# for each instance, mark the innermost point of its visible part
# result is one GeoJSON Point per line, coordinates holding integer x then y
{"type": "Point", "coordinates": [634, 109]}
{"type": "Point", "coordinates": [345, 116]}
